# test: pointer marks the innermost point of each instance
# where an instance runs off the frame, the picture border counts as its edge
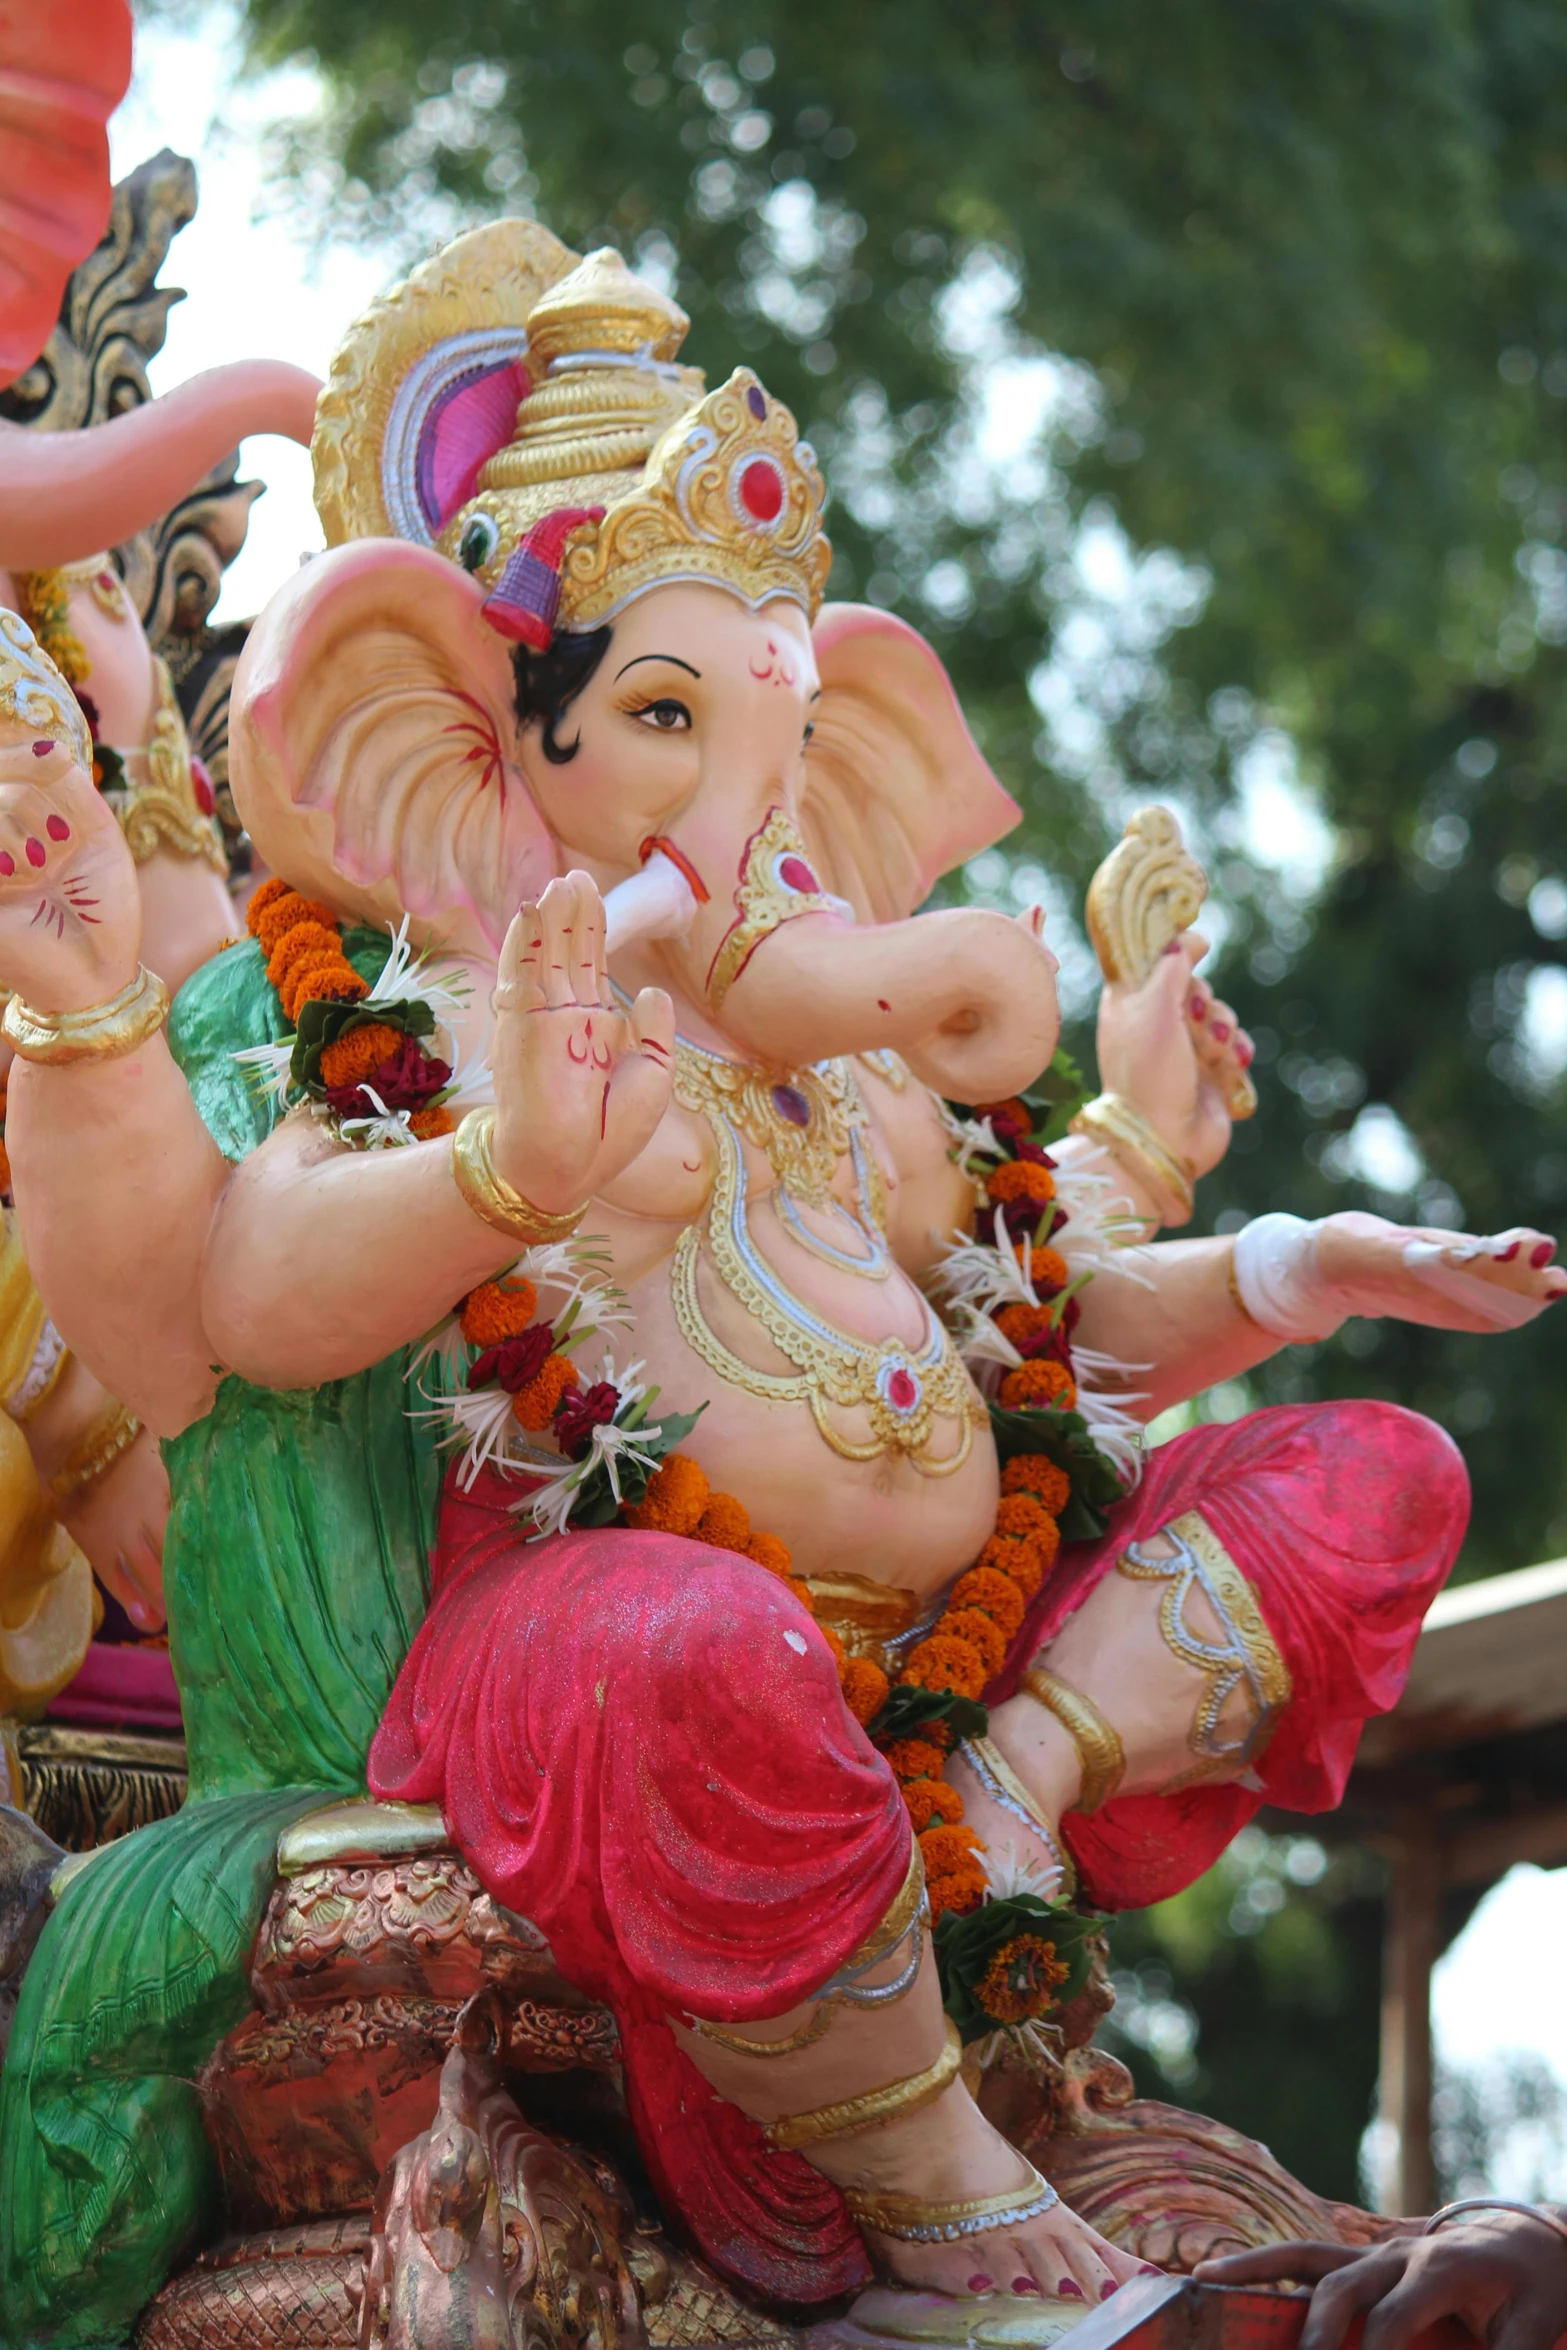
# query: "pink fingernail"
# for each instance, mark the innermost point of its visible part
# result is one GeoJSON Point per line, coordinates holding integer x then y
{"type": "Point", "coordinates": [1509, 1252]}
{"type": "Point", "coordinates": [1245, 1051]}
{"type": "Point", "coordinates": [1070, 2290]}
{"type": "Point", "coordinates": [979, 2284]}
{"type": "Point", "coordinates": [57, 828]}
{"type": "Point", "coordinates": [1174, 947]}
{"type": "Point", "coordinates": [1107, 2288]}
{"type": "Point", "coordinates": [1220, 1031]}
{"type": "Point", "coordinates": [1542, 1253]}
{"type": "Point", "coordinates": [1197, 1008]}
{"type": "Point", "coordinates": [7, 863]}
{"type": "Point", "coordinates": [36, 852]}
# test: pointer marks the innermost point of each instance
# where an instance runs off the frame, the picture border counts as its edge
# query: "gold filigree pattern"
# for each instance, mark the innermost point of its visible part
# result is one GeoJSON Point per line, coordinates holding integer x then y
{"type": "Point", "coordinates": [1148, 890]}
{"type": "Point", "coordinates": [776, 885]}
{"type": "Point", "coordinates": [803, 1141]}
{"type": "Point", "coordinates": [35, 693]}
{"type": "Point", "coordinates": [1246, 1654]}
{"type": "Point", "coordinates": [164, 812]}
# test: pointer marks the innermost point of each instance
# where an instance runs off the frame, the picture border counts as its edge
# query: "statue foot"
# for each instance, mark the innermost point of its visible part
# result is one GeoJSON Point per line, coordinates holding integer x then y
{"type": "Point", "coordinates": [28, 1859]}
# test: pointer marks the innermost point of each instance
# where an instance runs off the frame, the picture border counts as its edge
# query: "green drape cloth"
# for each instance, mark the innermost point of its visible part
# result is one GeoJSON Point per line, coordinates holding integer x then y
{"type": "Point", "coordinates": [295, 1573]}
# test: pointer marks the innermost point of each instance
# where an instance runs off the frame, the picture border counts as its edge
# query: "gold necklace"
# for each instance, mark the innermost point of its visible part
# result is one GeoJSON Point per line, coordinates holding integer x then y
{"type": "Point", "coordinates": [803, 1125]}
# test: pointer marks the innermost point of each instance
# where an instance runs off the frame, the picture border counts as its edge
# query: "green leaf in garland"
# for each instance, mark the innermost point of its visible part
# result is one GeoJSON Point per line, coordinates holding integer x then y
{"type": "Point", "coordinates": [1011, 1962]}
{"type": "Point", "coordinates": [1065, 1438]}
{"type": "Point", "coordinates": [321, 1024]}
{"type": "Point", "coordinates": [596, 1504]}
{"type": "Point", "coordinates": [908, 1711]}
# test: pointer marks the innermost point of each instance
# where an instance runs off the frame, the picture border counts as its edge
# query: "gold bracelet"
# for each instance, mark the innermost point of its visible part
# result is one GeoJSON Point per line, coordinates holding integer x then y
{"type": "Point", "coordinates": [93, 1455]}
{"type": "Point", "coordinates": [492, 1197]}
{"type": "Point", "coordinates": [1099, 1750]}
{"type": "Point", "coordinates": [872, 2105]}
{"type": "Point", "coordinates": [1126, 1134]}
{"type": "Point", "coordinates": [1002, 1784]}
{"type": "Point", "coordinates": [100, 1033]}
{"type": "Point", "coordinates": [912, 2220]}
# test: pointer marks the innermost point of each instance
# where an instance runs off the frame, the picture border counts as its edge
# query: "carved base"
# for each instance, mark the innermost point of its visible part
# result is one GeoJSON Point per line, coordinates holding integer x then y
{"type": "Point", "coordinates": [88, 1787]}
{"type": "Point", "coordinates": [298, 2288]}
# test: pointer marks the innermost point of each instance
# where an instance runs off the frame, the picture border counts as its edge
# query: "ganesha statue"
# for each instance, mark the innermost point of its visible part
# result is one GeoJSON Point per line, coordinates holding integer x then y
{"type": "Point", "coordinates": [652, 1392]}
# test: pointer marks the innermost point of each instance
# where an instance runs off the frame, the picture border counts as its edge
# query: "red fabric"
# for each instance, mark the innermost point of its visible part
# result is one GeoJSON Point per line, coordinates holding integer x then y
{"type": "Point", "coordinates": [121, 1688]}
{"type": "Point", "coordinates": [639, 1743]}
{"type": "Point", "coordinates": [1346, 1519]}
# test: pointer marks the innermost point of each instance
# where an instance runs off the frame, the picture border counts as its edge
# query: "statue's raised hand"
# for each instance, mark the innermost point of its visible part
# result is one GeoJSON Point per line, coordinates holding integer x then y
{"type": "Point", "coordinates": [70, 911]}
{"type": "Point", "coordinates": [1178, 1055]}
{"type": "Point", "coordinates": [580, 1085]}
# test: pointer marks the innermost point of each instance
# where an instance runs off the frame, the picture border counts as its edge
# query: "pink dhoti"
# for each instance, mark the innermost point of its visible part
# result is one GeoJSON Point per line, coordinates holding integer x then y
{"type": "Point", "coordinates": [639, 1743]}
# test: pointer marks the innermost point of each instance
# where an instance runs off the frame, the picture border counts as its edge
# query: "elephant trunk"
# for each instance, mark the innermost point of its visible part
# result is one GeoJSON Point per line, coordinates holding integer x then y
{"type": "Point", "coordinates": [966, 996]}
{"type": "Point", "coordinates": [68, 495]}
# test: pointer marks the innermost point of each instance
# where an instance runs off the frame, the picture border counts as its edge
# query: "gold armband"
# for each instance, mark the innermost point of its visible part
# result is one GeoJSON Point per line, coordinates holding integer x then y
{"type": "Point", "coordinates": [871, 2105]}
{"type": "Point", "coordinates": [103, 1032]}
{"type": "Point", "coordinates": [490, 1195]}
{"type": "Point", "coordinates": [164, 812]}
{"type": "Point", "coordinates": [92, 1456]}
{"type": "Point", "coordinates": [1100, 1754]}
{"type": "Point", "coordinates": [1126, 1134]}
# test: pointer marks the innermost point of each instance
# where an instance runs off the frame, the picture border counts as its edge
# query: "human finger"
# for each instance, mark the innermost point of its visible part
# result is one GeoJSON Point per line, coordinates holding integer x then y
{"type": "Point", "coordinates": [1535, 2321]}
{"type": "Point", "coordinates": [1438, 2286]}
{"type": "Point", "coordinates": [1308, 2260]}
{"type": "Point", "coordinates": [1345, 2295]}
{"type": "Point", "coordinates": [517, 981]}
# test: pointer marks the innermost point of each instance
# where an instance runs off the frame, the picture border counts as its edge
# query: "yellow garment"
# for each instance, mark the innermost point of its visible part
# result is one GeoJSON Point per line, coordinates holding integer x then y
{"type": "Point", "coordinates": [48, 1604]}
{"type": "Point", "coordinates": [21, 1313]}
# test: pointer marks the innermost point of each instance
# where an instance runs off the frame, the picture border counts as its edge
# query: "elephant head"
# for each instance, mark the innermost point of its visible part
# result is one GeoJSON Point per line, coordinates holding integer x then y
{"type": "Point", "coordinates": [629, 661]}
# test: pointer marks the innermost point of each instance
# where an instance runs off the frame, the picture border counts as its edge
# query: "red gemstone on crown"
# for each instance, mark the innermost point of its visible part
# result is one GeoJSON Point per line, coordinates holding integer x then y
{"type": "Point", "coordinates": [761, 491]}
{"type": "Point", "coordinates": [794, 873]}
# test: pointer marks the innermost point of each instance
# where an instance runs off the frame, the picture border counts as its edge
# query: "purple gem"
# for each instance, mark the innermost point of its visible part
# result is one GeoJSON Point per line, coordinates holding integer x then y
{"type": "Point", "coordinates": [791, 1103]}
{"type": "Point", "coordinates": [758, 404]}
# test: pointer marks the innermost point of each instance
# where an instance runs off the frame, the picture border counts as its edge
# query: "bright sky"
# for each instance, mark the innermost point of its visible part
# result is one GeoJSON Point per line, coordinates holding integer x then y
{"type": "Point", "coordinates": [254, 292]}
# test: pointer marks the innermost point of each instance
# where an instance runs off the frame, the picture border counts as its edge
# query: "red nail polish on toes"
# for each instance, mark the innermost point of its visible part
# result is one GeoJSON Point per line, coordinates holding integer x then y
{"type": "Point", "coordinates": [1107, 2288]}
{"type": "Point", "coordinates": [1024, 2285]}
{"type": "Point", "coordinates": [1070, 2290]}
{"type": "Point", "coordinates": [979, 2284]}
{"type": "Point", "coordinates": [1509, 1252]}
{"type": "Point", "coordinates": [1542, 1253]}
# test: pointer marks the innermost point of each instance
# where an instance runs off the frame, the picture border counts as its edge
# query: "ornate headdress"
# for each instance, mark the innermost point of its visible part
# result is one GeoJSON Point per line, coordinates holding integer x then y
{"type": "Point", "coordinates": [35, 692]}
{"type": "Point", "coordinates": [530, 419]}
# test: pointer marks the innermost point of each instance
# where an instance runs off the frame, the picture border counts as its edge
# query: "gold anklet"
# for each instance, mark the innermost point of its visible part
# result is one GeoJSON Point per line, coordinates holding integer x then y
{"type": "Point", "coordinates": [871, 2105]}
{"type": "Point", "coordinates": [914, 2221]}
{"type": "Point", "coordinates": [1002, 1784]}
{"type": "Point", "coordinates": [1129, 1139]}
{"type": "Point", "coordinates": [490, 1195]}
{"type": "Point", "coordinates": [92, 1456]}
{"type": "Point", "coordinates": [806, 2036]}
{"type": "Point", "coordinates": [102, 1032]}
{"type": "Point", "coordinates": [1100, 1753]}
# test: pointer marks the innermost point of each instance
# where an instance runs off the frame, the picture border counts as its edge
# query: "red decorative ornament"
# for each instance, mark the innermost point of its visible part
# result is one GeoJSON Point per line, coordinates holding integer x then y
{"type": "Point", "coordinates": [201, 785]}
{"type": "Point", "coordinates": [794, 873]}
{"type": "Point", "coordinates": [761, 491]}
{"type": "Point", "coordinates": [903, 1391]}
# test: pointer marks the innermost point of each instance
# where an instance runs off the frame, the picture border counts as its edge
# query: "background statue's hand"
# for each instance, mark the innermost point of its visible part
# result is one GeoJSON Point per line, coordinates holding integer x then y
{"type": "Point", "coordinates": [1176, 1054]}
{"type": "Point", "coordinates": [580, 1085]}
{"type": "Point", "coordinates": [70, 910]}
{"type": "Point", "coordinates": [1446, 1280]}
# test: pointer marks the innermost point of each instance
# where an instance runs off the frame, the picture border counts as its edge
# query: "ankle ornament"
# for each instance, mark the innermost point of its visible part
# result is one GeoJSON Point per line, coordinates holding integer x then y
{"type": "Point", "coordinates": [1246, 1654]}
{"type": "Point", "coordinates": [888, 2103]}
{"type": "Point", "coordinates": [1100, 1753]}
{"type": "Point", "coordinates": [912, 2220]}
{"type": "Point", "coordinates": [1002, 1784]}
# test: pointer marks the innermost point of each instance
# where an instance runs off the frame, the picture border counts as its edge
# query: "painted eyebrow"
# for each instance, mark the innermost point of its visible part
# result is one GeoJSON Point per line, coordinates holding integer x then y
{"type": "Point", "coordinates": [672, 658]}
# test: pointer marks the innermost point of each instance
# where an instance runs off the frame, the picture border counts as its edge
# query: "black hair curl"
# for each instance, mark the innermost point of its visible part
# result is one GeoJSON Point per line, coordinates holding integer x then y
{"type": "Point", "coordinates": [548, 683]}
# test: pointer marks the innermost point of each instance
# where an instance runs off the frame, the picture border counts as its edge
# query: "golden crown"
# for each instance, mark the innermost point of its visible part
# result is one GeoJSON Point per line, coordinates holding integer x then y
{"type": "Point", "coordinates": [35, 694]}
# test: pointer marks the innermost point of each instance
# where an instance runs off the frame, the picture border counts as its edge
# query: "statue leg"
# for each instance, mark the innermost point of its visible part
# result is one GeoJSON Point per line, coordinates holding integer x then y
{"type": "Point", "coordinates": [107, 2179]}
{"type": "Point", "coordinates": [1252, 1606]}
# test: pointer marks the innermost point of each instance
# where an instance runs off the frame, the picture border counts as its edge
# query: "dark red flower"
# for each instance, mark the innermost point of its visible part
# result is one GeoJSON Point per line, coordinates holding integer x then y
{"type": "Point", "coordinates": [516, 1360]}
{"type": "Point", "coordinates": [582, 1409]}
{"type": "Point", "coordinates": [405, 1080]}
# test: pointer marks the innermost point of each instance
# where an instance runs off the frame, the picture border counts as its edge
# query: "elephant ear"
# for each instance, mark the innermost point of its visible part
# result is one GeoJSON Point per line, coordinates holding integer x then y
{"type": "Point", "coordinates": [373, 741]}
{"type": "Point", "coordinates": [896, 792]}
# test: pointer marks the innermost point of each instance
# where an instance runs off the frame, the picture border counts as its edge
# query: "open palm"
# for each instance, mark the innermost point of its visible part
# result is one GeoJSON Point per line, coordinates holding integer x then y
{"type": "Point", "coordinates": [70, 911]}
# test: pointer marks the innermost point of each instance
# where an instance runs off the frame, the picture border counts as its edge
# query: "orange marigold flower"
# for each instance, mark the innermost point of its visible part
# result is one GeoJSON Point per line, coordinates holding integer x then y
{"type": "Point", "coordinates": [535, 1405]}
{"type": "Point", "coordinates": [285, 912]}
{"type": "Point", "coordinates": [1021, 1322]}
{"type": "Point", "coordinates": [429, 1124]}
{"type": "Point", "coordinates": [979, 1631]}
{"type": "Point", "coordinates": [724, 1524]}
{"type": "Point", "coordinates": [1032, 1386]}
{"type": "Point", "coordinates": [1021, 1179]}
{"type": "Point", "coordinates": [357, 1055]}
{"type": "Point", "coordinates": [263, 898]}
{"type": "Point", "coordinates": [1021, 1514]}
{"type": "Point", "coordinates": [301, 939]}
{"type": "Point", "coordinates": [498, 1310]}
{"type": "Point", "coordinates": [932, 1801]}
{"type": "Point", "coordinates": [1015, 1560]}
{"type": "Point", "coordinates": [1043, 1546]}
{"type": "Point", "coordinates": [994, 1595]}
{"type": "Point", "coordinates": [864, 1687]}
{"type": "Point", "coordinates": [1031, 1472]}
{"type": "Point", "coordinates": [803, 1593]}
{"type": "Point", "coordinates": [770, 1553]}
{"type": "Point", "coordinates": [960, 1890]}
{"type": "Point", "coordinates": [942, 1662]}
{"type": "Point", "coordinates": [1047, 1267]}
{"type": "Point", "coordinates": [675, 1498]}
{"type": "Point", "coordinates": [913, 1758]}
{"type": "Point", "coordinates": [948, 1848]}
{"type": "Point", "coordinates": [834, 1641]}
{"type": "Point", "coordinates": [321, 978]}
{"type": "Point", "coordinates": [1021, 1980]}
{"type": "Point", "coordinates": [1014, 1108]}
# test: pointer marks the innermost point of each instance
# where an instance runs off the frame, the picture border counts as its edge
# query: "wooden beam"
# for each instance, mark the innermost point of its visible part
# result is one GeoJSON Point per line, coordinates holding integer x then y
{"type": "Point", "coordinates": [1409, 1954]}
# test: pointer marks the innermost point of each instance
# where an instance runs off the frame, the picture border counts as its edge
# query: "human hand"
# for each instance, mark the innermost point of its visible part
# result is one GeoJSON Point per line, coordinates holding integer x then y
{"type": "Point", "coordinates": [1178, 1055]}
{"type": "Point", "coordinates": [1443, 1280]}
{"type": "Point", "coordinates": [580, 1086]}
{"type": "Point", "coordinates": [70, 910]}
{"type": "Point", "coordinates": [118, 1521]}
{"type": "Point", "coordinates": [1502, 2274]}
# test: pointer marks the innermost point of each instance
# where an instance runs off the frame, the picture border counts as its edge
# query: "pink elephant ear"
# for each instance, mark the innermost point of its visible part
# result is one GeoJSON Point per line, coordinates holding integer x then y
{"type": "Point", "coordinates": [896, 792]}
{"type": "Point", "coordinates": [64, 67]}
{"type": "Point", "coordinates": [372, 747]}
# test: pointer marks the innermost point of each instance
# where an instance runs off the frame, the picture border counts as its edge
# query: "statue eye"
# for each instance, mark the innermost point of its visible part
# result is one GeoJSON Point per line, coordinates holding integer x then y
{"type": "Point", "coordinates": [666, 714]}
{"type": "Point", "coordinates": [481, 536]}
{"type": "Point", "coordinates": [810, 729]}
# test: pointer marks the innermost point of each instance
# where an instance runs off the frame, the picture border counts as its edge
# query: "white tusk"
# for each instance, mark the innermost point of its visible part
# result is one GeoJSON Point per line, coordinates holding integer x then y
{"type": "Point", "coordinates": [658, 902]}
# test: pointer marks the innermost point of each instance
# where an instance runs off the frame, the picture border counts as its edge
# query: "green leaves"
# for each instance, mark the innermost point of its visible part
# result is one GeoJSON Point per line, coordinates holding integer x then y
{"type": "Point", "coordinates": [1063, 1437]}
{"type": "Point", "coordinates": [1013, 1961]}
